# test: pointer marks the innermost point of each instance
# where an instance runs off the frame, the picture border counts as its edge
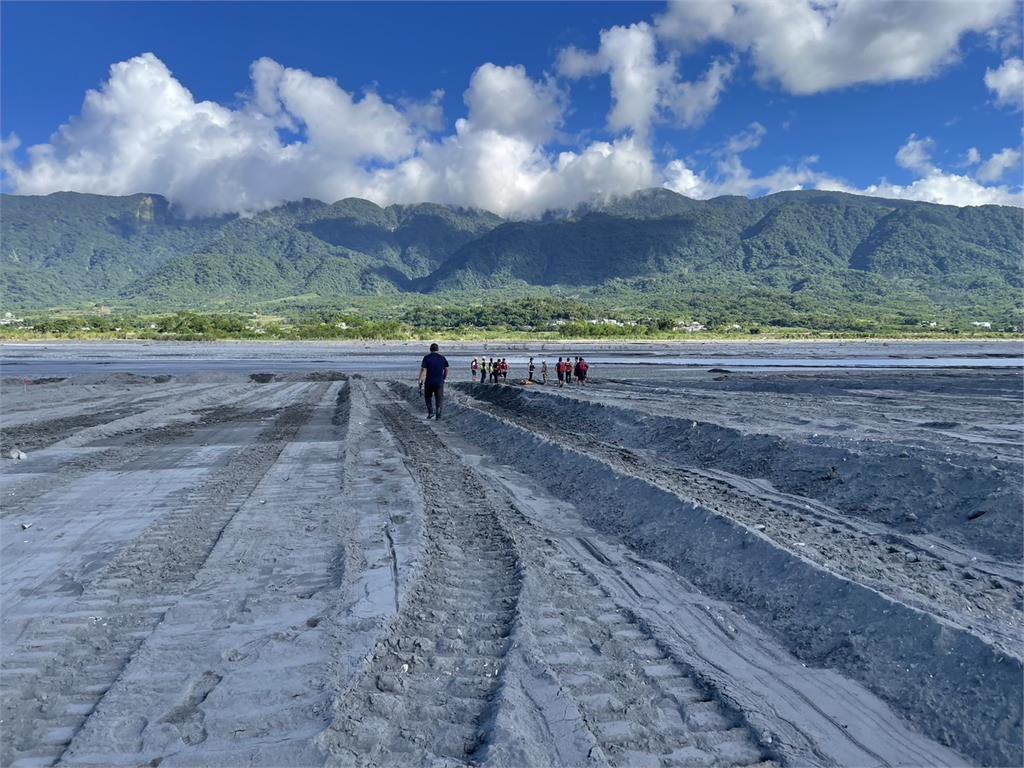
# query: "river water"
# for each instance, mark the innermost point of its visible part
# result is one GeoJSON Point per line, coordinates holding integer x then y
{"type": "Point", "coordinates": [182, 358]}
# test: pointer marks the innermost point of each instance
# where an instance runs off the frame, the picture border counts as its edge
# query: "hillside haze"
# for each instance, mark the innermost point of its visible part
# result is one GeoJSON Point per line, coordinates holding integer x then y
{"type": "Point", "coordinates": [68, 248]}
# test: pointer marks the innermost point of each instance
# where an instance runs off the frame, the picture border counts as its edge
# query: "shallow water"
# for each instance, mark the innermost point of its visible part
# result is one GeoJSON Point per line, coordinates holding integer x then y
{"type": "Point", "coordinates": [405, 361]}
{"type": "Point", "coordinates": [148, 358]}
{"type": "Point", "coordinates": [837, 362]}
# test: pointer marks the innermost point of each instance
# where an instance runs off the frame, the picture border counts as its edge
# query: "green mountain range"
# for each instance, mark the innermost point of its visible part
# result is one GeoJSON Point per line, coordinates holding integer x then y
{"type": "Point", "coordinates": [68, 249]}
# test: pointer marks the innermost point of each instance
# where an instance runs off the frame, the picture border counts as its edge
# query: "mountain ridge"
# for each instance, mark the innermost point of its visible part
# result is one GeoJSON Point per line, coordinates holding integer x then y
{"type": "Point", "coordinates": [68, 248]}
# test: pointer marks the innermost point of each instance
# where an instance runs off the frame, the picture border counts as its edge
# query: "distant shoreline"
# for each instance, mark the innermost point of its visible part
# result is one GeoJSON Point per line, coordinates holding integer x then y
{"type": "Point", "coordinates": [754, 339]}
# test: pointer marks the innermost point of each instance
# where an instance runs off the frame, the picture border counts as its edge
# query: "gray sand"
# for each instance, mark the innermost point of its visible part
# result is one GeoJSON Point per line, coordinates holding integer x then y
{"type": "Point", "coordinates": [669, 567]}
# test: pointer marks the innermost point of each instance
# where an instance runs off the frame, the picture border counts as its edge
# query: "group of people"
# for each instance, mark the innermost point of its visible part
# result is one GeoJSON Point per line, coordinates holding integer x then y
{"type": "Point", "coordinates": [496, 370]}
{"type": "Point", "coordinates": [434, 372]}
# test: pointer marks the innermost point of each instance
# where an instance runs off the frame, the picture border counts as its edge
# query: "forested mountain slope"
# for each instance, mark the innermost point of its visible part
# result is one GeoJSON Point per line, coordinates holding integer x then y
{"type": "Point", "coordinates": [69, 248]}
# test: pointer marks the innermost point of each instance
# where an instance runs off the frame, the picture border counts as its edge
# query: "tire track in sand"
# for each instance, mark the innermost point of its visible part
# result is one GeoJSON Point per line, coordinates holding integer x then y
{"type": "Point", "coordinates": [644, 706]}
{"type": "Point", "coordinates": [57, 422]}
{"type": "Point", "coordinates": [427, 693]}
{"type": "Point", "coordinates": [947, 681]}
{"type": "Point", "coordinates": [140, 433]}
{"type": "Point", "coordinates": [61, 669]}
{"type": "Point", "coordinates": [420, 699]}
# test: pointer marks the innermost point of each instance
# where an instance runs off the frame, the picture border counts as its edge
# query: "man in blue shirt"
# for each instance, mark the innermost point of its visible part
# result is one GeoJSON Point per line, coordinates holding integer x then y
{"type": "Point", "coordinates": [433, 372]}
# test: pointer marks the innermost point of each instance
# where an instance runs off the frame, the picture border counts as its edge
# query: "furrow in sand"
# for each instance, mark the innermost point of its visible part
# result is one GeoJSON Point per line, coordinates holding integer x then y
{"type": "Point", "coordinates": [116, 443]}
{"type": "Point", "coordinates": [235, 672]}
{"type": "Point", "coordinates": [36, 435]}
{"type": "Point", "coordinates": [427, 691]}
{"type": "Point", "coordinates": [78, 520]}
{"type": "Point", "coordinates": [641, 705]}
{"type": "Point", "coordinates": [55, 541]}
{"type": "Point", "coordinates": [35, 404]}
{"type": "Point", "coordinates": [63, 666]}
{"type": "Point", "coordinates": [941, 580]}
{"type": "Point", "coordinates": [965, 499]}
{"type": "Point", "coordinates": [56, 420]}
{"type": "Point", "coordinates": [947, 680]}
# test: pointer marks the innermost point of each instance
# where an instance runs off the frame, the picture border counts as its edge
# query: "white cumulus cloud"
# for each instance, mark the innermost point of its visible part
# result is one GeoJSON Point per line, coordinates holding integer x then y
{"type": "Point", "coordinates": [745, 140]}
{"type": "Point", "coordinates": [636, 76]}
{"type": "Point", "coordinates": [629, 56]}
{"type": "Point", "coordinates": [944, 188]}
{"type": "Point", "coordinates": [646, 87]}
{"type": "Point", "coordinates": [298, 135]}
{"type": "Point", "coordinates": [512, 176]}
{"type": "Point", "coordinates": [999, 164]}
{"type": "Point", "coordinates": [810, 46]}
{"type": "Point", "coordinates": [731, 176]}
{"type": "Point", "coordinates": [936, 185]}
{"type": "Point", "coordinates": [294, 134]}
{"type": "Point", "coordinates": [916, 154]}
{"type": "Point", "coordinates": [1007, 82]}
{"type": "Point", "coordinates": [506, 100]}
{"type": "Point", "coordinates": [692, 102]}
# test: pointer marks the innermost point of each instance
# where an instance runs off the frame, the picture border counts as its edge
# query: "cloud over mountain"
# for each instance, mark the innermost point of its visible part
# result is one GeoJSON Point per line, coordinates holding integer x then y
{"type": "Point", "coordinates": [298, 135]}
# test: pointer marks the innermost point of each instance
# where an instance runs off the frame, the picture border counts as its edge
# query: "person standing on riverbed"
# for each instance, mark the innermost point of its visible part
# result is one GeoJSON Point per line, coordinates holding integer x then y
{"type": "Point", "coordinates": [433, 372]}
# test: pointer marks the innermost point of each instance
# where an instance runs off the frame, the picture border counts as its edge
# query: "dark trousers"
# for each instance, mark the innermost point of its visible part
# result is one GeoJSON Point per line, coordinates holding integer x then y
{"type": "Point", "coordinates": [435, 391]}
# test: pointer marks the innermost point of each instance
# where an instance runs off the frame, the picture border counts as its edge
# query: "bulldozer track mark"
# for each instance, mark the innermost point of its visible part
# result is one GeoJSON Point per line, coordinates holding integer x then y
{"type": "Point", "coordinates": [80, 655]}
{"type": "Point", "coordinates": [137, 442]}
{"type": "Point", "coordinates": [642, 704]}
{"type": "Point", "coordinates": [430, 684]}
{"type": "Point", "coordinates": [603, 657]}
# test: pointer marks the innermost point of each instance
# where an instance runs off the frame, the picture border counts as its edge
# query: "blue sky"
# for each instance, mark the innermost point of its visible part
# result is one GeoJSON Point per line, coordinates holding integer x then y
{"type": "Point", "coordinates": [558, 102]}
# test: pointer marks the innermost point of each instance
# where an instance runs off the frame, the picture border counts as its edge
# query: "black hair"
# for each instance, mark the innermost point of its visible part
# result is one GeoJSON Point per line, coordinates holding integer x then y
{"type": "Point", "coordinates": [433, 347]}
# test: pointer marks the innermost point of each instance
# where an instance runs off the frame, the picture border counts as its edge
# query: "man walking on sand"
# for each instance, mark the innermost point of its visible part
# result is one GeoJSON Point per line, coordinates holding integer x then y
{"type": "Point", "coordinates": [433, 372]}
